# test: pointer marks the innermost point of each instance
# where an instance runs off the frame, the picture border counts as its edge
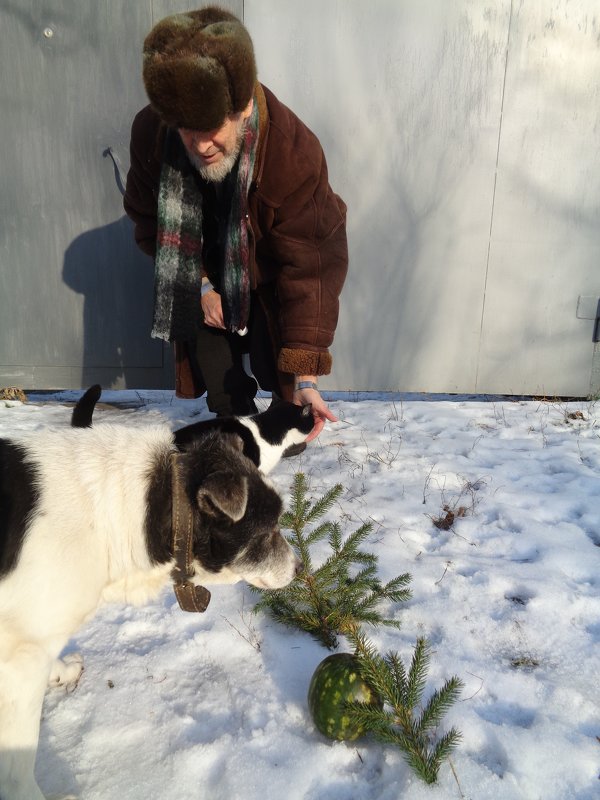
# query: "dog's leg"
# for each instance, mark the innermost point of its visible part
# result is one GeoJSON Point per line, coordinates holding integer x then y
{"type": "Point", "coordinates": [66, 672]}
{"type": "Point", "coordinates": [23, 680]}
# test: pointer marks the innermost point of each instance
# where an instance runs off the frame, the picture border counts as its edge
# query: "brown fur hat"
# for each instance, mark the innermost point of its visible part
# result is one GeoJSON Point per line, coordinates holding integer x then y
{"type": "Point", "coordinates": [198, 68]}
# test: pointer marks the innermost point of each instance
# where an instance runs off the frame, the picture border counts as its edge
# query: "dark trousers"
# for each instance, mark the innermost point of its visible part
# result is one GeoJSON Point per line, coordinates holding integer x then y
{"type": "Point", "coordinates": [220, 356]}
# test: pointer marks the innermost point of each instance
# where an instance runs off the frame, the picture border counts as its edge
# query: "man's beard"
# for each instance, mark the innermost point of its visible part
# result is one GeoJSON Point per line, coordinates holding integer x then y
{"type": "Point", "coordinates": [215, 173]}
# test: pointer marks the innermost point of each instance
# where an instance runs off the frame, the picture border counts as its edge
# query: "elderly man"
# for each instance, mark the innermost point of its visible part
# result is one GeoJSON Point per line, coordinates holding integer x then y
{"type": "Point", "coordinates": [229, 193]}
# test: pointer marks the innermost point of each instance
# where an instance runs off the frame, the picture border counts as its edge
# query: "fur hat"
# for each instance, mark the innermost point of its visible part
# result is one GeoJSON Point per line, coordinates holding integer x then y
{"type": "Point", "coordinates": [198, 68]}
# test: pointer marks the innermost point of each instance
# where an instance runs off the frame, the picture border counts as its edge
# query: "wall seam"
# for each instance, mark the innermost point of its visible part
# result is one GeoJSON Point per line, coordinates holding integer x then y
{"type": "Point", "coordinates": [489, 249]}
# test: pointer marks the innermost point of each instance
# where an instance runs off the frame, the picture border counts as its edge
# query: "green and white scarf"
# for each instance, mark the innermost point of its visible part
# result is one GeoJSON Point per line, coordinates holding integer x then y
{"type": "Point", "coordinates": [178, 264]}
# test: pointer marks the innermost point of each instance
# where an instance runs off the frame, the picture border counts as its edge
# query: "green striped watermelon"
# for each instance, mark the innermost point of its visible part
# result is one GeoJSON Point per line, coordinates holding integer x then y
{"type": "Point", "coordinates": [336, 681]}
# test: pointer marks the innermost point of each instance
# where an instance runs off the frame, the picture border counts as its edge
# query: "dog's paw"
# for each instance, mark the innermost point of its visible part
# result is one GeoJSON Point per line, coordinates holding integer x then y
{"type": "Point", "coordinates": [66, 672]}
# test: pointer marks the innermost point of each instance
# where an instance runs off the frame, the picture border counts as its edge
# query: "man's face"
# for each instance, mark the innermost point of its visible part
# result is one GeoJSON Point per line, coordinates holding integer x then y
{"type": "Point", "coordinates": [215, 152]}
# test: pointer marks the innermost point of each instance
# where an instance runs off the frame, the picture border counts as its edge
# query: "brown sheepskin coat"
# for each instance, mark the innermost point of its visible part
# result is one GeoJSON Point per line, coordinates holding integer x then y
{"type": "Point", "coordinates": [297, 235]}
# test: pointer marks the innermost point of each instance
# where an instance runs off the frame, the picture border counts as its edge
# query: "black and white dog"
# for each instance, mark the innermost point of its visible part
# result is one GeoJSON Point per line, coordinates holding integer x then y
{"type": "Point", "coordinates": [87, 517]}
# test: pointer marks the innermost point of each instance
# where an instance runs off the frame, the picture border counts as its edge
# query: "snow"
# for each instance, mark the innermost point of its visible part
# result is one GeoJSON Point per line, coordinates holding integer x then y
{"type": "Point", "coordinates": [213, 706]}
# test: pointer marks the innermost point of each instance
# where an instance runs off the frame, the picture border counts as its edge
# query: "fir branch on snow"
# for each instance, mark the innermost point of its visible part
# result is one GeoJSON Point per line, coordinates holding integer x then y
{"type": "Point", "coordinates": [344, 590]}
{"type": "Point", "coordinates": [403, 721]}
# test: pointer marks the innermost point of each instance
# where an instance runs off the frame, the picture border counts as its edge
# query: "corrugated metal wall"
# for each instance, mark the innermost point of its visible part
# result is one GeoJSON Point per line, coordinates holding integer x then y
{"type": "Point", "coordinates": [462, 134]}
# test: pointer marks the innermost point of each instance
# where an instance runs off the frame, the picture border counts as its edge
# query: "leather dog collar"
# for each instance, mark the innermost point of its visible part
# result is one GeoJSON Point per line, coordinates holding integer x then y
{"type": "Point", "coordinates": [189, 596]}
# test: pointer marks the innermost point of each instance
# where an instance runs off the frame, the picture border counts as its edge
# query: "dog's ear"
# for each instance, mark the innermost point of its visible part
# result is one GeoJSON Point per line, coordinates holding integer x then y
{"type": "Point", "coordinates": [226, 492]}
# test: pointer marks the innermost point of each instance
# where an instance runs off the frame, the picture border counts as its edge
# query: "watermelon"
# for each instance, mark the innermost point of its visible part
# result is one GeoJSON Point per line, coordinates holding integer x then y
{"type": "Point", "coordinates": [336, 681]}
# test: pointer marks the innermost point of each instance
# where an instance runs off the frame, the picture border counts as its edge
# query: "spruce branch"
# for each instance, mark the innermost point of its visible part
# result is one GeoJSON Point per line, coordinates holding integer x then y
{"type": "Point", "coordinates": [403, 721]}
{"type": "Point", "coordinates": [417, 675]}
{"type": "Point", "coordinates": [344, 589]}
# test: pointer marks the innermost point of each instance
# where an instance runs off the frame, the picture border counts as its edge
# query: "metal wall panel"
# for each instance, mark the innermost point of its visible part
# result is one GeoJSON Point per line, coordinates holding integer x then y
{"type": "Point", "coordinates": [545, 246]}
{"type": "Point", "coordinates": [406, 99]}
{"type": "Point", "coordinates": [456, 284]}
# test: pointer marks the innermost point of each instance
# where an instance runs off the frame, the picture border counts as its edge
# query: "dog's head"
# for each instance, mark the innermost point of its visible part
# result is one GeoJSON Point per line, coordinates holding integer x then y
{"type": "Point", "coordinates": [236, 517]}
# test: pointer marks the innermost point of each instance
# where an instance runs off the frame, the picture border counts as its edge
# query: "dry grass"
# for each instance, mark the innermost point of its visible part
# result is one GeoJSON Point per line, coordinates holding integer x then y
{"type": "Point", "coordinates": [13, 393]}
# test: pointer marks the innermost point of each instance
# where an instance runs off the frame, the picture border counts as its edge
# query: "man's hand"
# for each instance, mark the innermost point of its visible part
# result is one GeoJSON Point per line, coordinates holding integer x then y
{"type": "Point", "coordinates": [212, 309]}
{"type": "Point", "coordinates": [320, 410]}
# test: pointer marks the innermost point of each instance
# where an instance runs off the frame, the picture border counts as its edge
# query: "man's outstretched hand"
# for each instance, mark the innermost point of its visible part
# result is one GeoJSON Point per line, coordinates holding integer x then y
{"type": "Point", "coordinates": [320, 409]}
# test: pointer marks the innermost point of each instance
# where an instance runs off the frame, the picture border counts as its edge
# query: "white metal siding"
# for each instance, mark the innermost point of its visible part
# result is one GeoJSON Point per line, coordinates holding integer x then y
{"type": "Point", "coordinates": [464, 137]}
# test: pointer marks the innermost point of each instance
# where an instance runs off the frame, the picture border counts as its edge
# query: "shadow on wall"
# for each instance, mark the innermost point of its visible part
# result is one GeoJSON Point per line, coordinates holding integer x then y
{"type": "Point", "coordinates": [116, 279]}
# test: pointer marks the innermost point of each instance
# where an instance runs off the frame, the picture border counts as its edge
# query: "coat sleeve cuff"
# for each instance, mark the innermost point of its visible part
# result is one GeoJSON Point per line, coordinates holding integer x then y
{"type": "Point", "coordinates": [304, 362]}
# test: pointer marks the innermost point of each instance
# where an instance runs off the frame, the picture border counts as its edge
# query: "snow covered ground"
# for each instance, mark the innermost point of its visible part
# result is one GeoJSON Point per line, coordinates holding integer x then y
{"type": "Point", "coordinates": [213, 706]}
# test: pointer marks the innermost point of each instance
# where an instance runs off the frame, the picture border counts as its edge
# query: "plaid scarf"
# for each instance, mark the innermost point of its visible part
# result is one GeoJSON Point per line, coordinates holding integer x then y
{"type": "Point", "coordinates": [178, 263]}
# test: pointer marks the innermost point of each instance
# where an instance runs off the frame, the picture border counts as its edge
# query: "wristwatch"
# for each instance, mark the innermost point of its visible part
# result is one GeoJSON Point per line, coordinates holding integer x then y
{"type": "Point", "coordinates": [306, 385]}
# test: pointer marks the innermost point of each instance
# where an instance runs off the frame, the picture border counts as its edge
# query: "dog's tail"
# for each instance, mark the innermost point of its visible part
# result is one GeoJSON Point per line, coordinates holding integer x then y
{"type": "Point", "coordinates": [84, 408]}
